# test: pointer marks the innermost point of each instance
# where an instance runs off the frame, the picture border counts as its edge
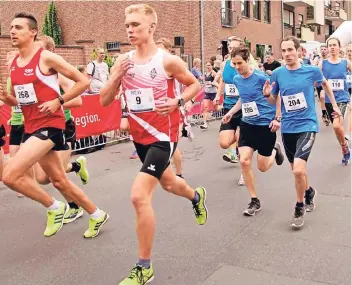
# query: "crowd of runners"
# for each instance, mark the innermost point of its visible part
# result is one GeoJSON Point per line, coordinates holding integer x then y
{"type": "Point", "coordinates": [156, 88]}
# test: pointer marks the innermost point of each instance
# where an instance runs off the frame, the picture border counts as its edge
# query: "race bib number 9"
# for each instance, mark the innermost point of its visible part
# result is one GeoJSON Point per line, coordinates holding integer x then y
{"type": "Point", "coordinates": [250, 109]}
{"type": "Point", "coordinates": [337, 84]}
{"type": "Point", "coordinates": [294, 103]}
{"type": "Point", "coordinates": [140, 100]}
{"type": "Point", "coordinates": [25, 94]}
{"type": "Point", "coordinates": [231, 90]}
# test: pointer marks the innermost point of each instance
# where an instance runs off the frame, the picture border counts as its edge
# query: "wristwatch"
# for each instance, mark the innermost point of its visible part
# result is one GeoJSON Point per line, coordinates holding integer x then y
{"type": "Point", "coordinates": [278, 118]}
{"type": "Point", "coordinates": [181, 102]}
{"type": "Point", "coordinates": [61, 100]}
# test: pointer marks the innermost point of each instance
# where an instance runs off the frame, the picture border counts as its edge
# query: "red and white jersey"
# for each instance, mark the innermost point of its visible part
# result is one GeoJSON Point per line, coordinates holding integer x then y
{"type": "Point", "coordinates": [144, 87]}
{"type": "Point", "coordinates": [32, 88]}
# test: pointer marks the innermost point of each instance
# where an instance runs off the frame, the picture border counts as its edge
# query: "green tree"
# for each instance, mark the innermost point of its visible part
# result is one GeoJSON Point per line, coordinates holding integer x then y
{"type": "Point", "coordinates": [51, 25]}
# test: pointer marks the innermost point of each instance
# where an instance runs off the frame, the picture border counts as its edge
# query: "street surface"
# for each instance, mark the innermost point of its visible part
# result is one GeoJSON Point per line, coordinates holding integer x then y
{"type": "Point", "coordinates": [230, 249]}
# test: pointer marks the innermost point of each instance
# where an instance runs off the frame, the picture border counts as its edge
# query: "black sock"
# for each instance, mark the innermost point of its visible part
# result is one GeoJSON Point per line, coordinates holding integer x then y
{"type": "Point", "coordinates": [76, 167]}
{"type": "Point", "coordinates": [196, 198]}
{"type": "Point", "coordinates": [180, 175]}
{"type": "Point", "coordinates": [324, 112]}
{"type": "Point", "coordinates": [301, 205]}
{"type": "Point", "coordinates": [255, 199]}
{"type": "Point", "coordinates": [73, 205]}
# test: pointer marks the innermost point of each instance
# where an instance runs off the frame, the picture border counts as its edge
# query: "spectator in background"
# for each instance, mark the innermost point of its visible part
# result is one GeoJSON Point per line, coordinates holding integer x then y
{"type": "Point", "coordinates": [196, 69]}
{"type": "Point", "coordinates": [98, 72]}
{"type": "Point", "coordinates": [82, 69]}
{"type": "Point", "coordinates": [270, 65]}
{"type": "Point", "coordinates": [305, 59]}
{"type": "Point", "coordinates": [259, 60]}
{"type": "Point", "coordinates": [217, 65]}
{"type": "Point", "coordinates": [212, 59]}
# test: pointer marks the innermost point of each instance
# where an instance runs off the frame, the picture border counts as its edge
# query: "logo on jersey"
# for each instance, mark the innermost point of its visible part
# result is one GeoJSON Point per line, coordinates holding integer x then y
{"type": "Point", "coordinates": [153, 73]}
{"type": "Point", "coordinates": [28, 72]}
{"type": "Point", "coordinates": [151, 167]}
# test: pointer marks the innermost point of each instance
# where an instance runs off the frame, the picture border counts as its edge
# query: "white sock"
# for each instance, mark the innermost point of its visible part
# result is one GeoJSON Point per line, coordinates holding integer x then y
{"type": "Point", "coordinates": [55, 205]}
{"type": "Point", "coordinates": [97, 214]}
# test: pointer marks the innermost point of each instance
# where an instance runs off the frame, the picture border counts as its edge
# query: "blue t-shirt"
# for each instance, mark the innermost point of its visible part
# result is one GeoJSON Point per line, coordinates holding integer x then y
{"type": "Point", "coordinates": [256, 110]}
{"type": "Point", "coordinates": [231, 94]}
{"type": "Point", "coordinates": [196, 72]}
{"type": "Point", "coordinates": [296, 88]}
{"type": "Point", "coordinates": [336, 74]}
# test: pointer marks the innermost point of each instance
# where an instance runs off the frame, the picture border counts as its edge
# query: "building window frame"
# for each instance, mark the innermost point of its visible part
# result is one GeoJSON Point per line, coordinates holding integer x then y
{"type": "Point", "coordinates": [267, 11]}
{"type": "Point", "coordinates": [257, 10]}
{"type": "Point", "coordinates": [245, 8]}
{"type": "Point", "coordinates": [291, 19]}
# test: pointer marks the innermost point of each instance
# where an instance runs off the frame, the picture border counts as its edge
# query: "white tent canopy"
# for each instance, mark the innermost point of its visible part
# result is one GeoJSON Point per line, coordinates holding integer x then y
{"type": "Point", "coordinates": [344, 33]}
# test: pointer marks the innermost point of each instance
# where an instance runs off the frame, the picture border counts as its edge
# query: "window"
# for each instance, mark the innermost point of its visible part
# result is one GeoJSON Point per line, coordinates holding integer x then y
{"type": "Point", "coordinates": [226, 14]}
{"type": "Point", "coordinates": [267, 12]}
{"type": "Point", "coordinates": [245, 8]}
{"type": "Point", "coordinates": [300, 19]}
{"type": "Point", "coordinates": [256, 9]}
{"type": "Point", "coordinates": [288, 18]}
{"type": "Point", "coordinates": [111, 46]}
{"type": "Point", "coordinates": [319, 30]}
{"type": "Point", "coordinates": [261, 50]}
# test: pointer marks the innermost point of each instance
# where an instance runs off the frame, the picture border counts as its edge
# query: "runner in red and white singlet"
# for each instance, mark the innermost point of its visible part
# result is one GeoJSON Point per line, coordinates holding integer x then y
{"type": "Point", "coordinates": [34, 79]}
{"type": "Point", "coordinates": [147, 77]}
{"type": "Point", "coordinates": [144, 87]}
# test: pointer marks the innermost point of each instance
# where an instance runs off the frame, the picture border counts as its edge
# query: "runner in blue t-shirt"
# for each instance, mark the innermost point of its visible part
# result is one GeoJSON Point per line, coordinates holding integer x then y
{"type": "Point", "coordinates": [335, 71]}
{"type": "Point", "coordinates": [299, 125]}
{"type": "Point", "coordinates": [258, 126]}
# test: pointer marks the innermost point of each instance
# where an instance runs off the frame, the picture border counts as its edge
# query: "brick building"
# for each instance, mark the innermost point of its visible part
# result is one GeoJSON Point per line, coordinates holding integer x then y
{"type": "Point", "coordinates": [87, 24]}
{"type": "Point", "coordinates": [314, 20]}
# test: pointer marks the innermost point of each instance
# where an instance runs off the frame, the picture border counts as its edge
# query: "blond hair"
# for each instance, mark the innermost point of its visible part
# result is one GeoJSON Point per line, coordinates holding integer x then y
{"type": "Point", "coordinates": [48, 42]}
{"type": "Point", "coordinates": [196, 61]}
{"type": "Point", "coordinates": [165, 42]}
{"type": "Point", "coordinates": [142, 8]}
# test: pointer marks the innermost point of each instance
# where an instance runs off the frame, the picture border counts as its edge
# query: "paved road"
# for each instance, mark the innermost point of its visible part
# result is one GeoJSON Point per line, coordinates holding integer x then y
{"type": "Point", "coordinates": [230, 249]}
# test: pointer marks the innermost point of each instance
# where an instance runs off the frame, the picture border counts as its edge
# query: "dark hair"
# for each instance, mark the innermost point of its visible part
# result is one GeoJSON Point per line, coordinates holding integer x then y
{"type": "Point", "coordinates": [242, 52]}
{"type": "Point", "coordinates": [32, 21]}
{"type": "Point", "coordinates": [323, 45]}
{"type": "Point", "coordinates": [327, 42]}
{"type": "Point", "coordinates": [295, 40]}
{"type": "Point", "coordinates": [269, 53]}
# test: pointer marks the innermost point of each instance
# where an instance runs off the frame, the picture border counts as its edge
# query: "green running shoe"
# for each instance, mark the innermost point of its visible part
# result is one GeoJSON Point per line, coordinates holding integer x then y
{"type": "Point", "coordinates": [55, 219]}
{"type": "Point", "coordinates": [139, 276]}
{"type": "Point", "coordinates": [83, 172]}
{"type": "Point", "coordinates": [200, 209]}
{"type": "Point", "coordinates": [73, 214]}
{"type": "Point", "coordinates": [230, 157]}
{"type": "Point", "coordinates": [95, 225]}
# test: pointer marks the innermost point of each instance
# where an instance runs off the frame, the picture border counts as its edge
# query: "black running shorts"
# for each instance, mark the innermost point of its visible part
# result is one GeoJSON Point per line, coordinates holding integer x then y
{"type": "Point", "coordinates": [70, 132]}
{"type": "Point", "coordinates": [234, 123]}
{"type": "Point", "coordinates": [16, 134]}
{"type": "Point", "coordinates": [298, 145]}
{"type": "Point", "coordinates": [2, 135]}
{"type": "Point", "coordinates": [57, 136]}
{"type": "Point", "coordinates": [329, 109]}
{"type": "Point", "coordinates": [155, 157]}
{"type": "Point", "coordinates": [258, 138]}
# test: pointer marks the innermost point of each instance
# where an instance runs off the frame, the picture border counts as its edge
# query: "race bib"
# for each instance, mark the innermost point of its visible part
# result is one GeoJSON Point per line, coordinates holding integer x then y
{"type": "Point", "coordinates": [140, 100]}
{"type": "Point", "coordinates": [16, 109]}
{"type": "Point", "coordinates": [25, 94]}
{"type": "Point", "coordinates": [349, 78]}
{"type": "Point", "coordinates": [337, 84]}
{"type": "Point", "coordinates": [294, 103]}
{"type": "Point", "coordinates": [250, 109]}
{"type": "Point", "coordinates": [231, 90]}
